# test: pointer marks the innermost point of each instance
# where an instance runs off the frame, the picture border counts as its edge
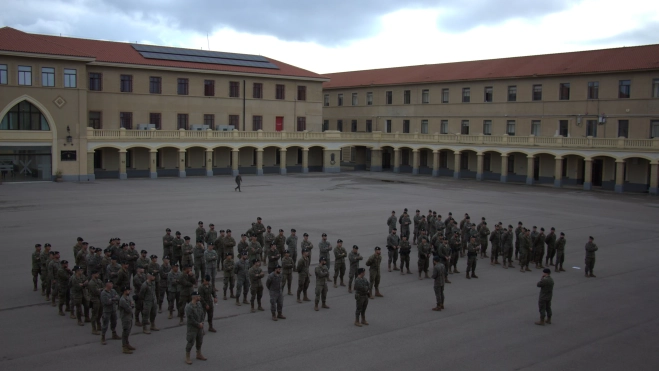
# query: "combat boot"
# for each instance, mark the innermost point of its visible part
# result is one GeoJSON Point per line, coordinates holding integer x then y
{"type": "Point", "coordinates": [252, 310]}
{"type": "Point", "coordinates": [231, 292]}
{"type": "Point", "coordinates": [426, 272]}
{"type": "Point", "coordinates": [180, 322]}
{"type": "Point", "coordinates": [541, 322]}
{"type": "Point", "coordinates": [260, 307]}
{"type": "Point", "coordinates": [274, 317]}
{"type": "Point", "coordinates": [153, 327]}
{"type": "Point", "coordinates": [455, 269]}
{"type": "Point", "coordinates": [71, 315]}
{"type": "Point", "coordinates": [306, 298]}
{"type": "Point", "coordinates": [280, 315]}
{"type": "Point", "coordinates": [377, 293]}
{"type": "Point", "coordinates": [496, 261]}
{"type": "Point", "coordinates": [592, 275]}
{"type": "Point", "coordinates": [187, 358]}
{"type": "Point", "coordinates": [473, 275]}
{"type": "Point", "coordinates": [138, 323]}
{"type": "Point", "coordinates": [103, 340]}
{"type": "Point", "coordinates": [441, 306]}
{"type": "Point", "coordinates": [200, 356]}
{"type": "Point", "coordinates": [562, 270]}
{"type": "Point", "coordinates": [130, 347]}
{"type": "Point", "coordinates": [521, 269]}
{"type": "Point", "coordinates": [357, 321]}
{"type": "Point", "coordinates": [171, 314]}
{"type": "Point", "coordinates": [80, 323]}
{"type": "Point", "coordinates": [315, 306]}
{"type": "Point", "coordinates": [420, 275]}
{"type": "Point", "coordinates": [548, 321]}
{"type": "Point", "coordinates": [402, 270]}
{"type": "Point", "coordinates": [325, 306]}
{"type": "Point", "coordinates": [145, 329]}
{"type": "Point", "coordinates": [505, 265]}
{"type": "Point", "coordinates": [298, 297]}
{"type": "Point", "coordinates": [125, 350]}
{"type": "Point", "coordinates": [364, 320]}
{"type": "Point", "coordinates": [349, 287]}
{"type": "Point", "coordinates": [245, 299]}
{"type": "Point", "coordinates": [238, 302]}
{"type": "Point", "coordinates": [370, 295]}
{"type": "Point", "coordinates": [115, 336]}
{"type": "Point", "coordinates": [468, 276]}
{"type": "Point", "coordinates": [94, 331]}
{"type": "Point", "coordinates": [528, 269]}
{"type": "Point", "coordinates": [224, 296]}
{"type": "Point", "coordinates": [395, 267]}
{"type": "Point", "coordinates": [510, 264]}
{"type": "Point", "coordinates": [447, 280]}
{"type": "Point", "coordinates": [335, 282]}
{"type": "Point", "coordinates": [408, 270]}
{"type": "Point", "coordinates": [342, 284]}
{"type": "Point", "coordinates": [211, 328]}
{"type": "Point", "coordinates": [388, 265]}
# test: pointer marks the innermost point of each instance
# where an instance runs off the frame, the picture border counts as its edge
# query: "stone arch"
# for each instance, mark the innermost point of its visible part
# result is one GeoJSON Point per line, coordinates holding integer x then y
{"type": "Point", "coordinates": [316, 155]}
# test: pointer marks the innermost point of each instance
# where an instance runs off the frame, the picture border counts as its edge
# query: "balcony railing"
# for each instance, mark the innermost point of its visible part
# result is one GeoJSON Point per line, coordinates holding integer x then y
{"type": "Point", "coordinates": [374, 137]}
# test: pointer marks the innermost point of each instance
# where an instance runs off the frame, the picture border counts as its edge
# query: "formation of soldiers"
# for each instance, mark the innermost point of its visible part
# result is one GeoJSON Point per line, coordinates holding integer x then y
{"type": "Point", "coordinates": [101, 282]}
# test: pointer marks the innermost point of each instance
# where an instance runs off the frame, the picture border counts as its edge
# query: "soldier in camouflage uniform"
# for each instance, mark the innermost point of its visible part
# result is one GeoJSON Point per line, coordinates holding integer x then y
{"type": "Point", "coordinates": [208, 299]}
{"type": "Point", "coordinates": [79, 295]}
{"type": "Point", "coordinates": [149, 297]}
{"type": "Point", "coordinates": [229, 277]}
{"type": "Point", "coordinates": [211, 235]}
{"type": "Point", "coordinates": [256, 284]}
{"type": "Point", "coordinates": [242, 278]}
{"type": "Point", "coordinates": [560, 253]}
{"type": "Point", "coordinates": [444, 254]}
{"type": "Point", "coordinates": [154, 268]}
{"type": "Point", "coordinates": [405, 250]}
{"type": "Point", "coordinates": [590, 256]}
{"type": "Point", "coordinates": [495, 238]}
{"type": "Point", "coordinates": [138, 280]}
{"type": "Point", "coordinates": [287, 265]}
{"type": "Point", "coordinates": [53, 267]}
{"type": "Point", "coordinates": [63, 275]}
{"type": "Point", "coordinates": [254, 250]}
{"type": "Point", "coordinates": [417, 221]}
{"type": "Point", "coordinates": [424, 255]}
{"type": "Point", "coordinates": [107, 260]}
{"type": "Point", "coordinates": [273, 258]}
{"type": "Point", "coordinates": [200, 232]}
{"type": "Point", "coordinates": [36, 266]}
{"type": "Point", "coordinates": [361, 297]}
{"type": "Point", "coordinates": [126, 306]}
{"type": "Point", "coordinates": [340, 254]}
{"type": "Point", "coordinates": [550, 240]}
{"type": "Point", "coordinates": [210, 259]}
{"type": "Point", "coordinates": [518, 233]}
{"type": "Point", "coordinates": [546, 285]}
{"type": "Point", "coordinates": [229, 243]}
{"type": "Point", "coordinates": [373, 263]}
{"type": "Point", "coordinates": [275, 288]}
{"type": "Point", "coordinates": [539, 248]}
{"type": "Point", "coordinates": [405, 225]}
{"type": "Point", "coordinates": [322, 276]}
{"type": "Point", "coordinates": [77, 247]}
{"type": "Point", "coordinates": [134, 259]}
{"type": "Point", "coordinates": [303, 275]}
{"type": "Point", "coordinates": [173, 290]}
{"type": "Point", "coordinates": [259, 230]}
{"type": "Point", "coordinates": [268, 238]}
{"type": "Point", "coordinates": [354, 259]}
{"type": "Point", "coordinates": [524, 250]}
{"type": "Point", "coordinates": [280, 242]}
{"type": "Point", "coordinates": [455, 244]}
{"type": "Point", "coordinates": [165, 268]}
{"type": "Point", "coordinates": [177, 249]}
{"type": "Point", "coordinates": [94, 287]}
{"type": "Point", "coordinates": [393, 244]}
{"type": "Point", "coordinates": [44, 258]}
{"type": "Point", "coordinates": [306, 244]}
{"type": "Point", "coordinates": [219, 248]}
{"type": "Point", "coordinates": [465, 226]}
{"type": "Point", "coordinates": [109, 301]}
{"type": "Point", "coordinates": [291, 245]}
{"type": "Point", "coordinates": [94, 260]}
{"type": "Point", "coordinates": [194, 313]}
{"type": "Point", "coordinates": [472, 255]}
{"type": "Point", "coordinates": [507, 247]}
{"type": "Point", "coordinates": [439, 275]}
{"type": "Point", "coordinates": [187, 250]}
{"type": "Point", "coordinates": [167, 243]}
{"type": "Point", "coordinates": [391, 222]}
{"type": "Point", "coordinates": [243, 245]}
{"type": "Point", "coordinates": [325, 249]}
{"type": "Point", "coordinates": [185, 283]}
{"type": "Point", "coordinates": [199, 264]}
{"type": "Point", "coordinates": [81, 258]}
{"type": "Point", "coordinates": [483, 234]}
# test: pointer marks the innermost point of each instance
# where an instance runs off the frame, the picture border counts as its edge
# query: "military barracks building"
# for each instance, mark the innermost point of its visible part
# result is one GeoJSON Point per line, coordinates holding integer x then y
{"type": "Point", "coordinates": [89, 109]}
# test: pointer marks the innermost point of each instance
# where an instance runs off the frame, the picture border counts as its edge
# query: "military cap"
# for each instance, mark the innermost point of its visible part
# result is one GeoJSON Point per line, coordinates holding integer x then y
{"type": "Point", "coordinates": [339, 240]}
{"type": "Point", "coordinates": [76, 267]}
{"type": "Point", "coordinates": [98, 249]}
{"type": "Point", "coordinates": [37, 245]}
{"type": "Point", "coordinates": [56, 252]}
{"type": "Point", "coordinates": [168, 230]}
{"type": "Point", "coordinates": [200, 222]}
{"type": "Point", "coordinates": [80, 239]}
{"type": "Point", "coordinates": [562, 234]}
{"type": "Point", "coordinates": [546, 270]}
{"type": "Point", "coordinates": [244, 253]}
{"type": "Point", "coordinates": [195, 293]}
{"type": "Point", "coordinates": [51, 253]}
{"type": "Point", "coordinates": [143, 252]}
{"type": "Point", "coordinates": [125, 288]}
{"type": "Point", "coordinates": [187, 238]}
{"type": "Point", "coordinates": [553, 229]}
{"type": "Point", "coordinates": [278, 266]}
{"type": "Point", "coordinates": [591, 237]}
{"type": "Point", "coordinates": [394, 229]}
{"type": "Point", "coordinates": [435, 258]}
{"type": "Point", "coordinates": [107, 250]}
{"type": "Point", "coordinates": [123, 245]}
{"type": "Point", "coordinates": [165, 257]}
{"type": "Point", "coordinates": [467, 217]}
{"type": "Point", "coordinates": [175, 265]}
{"type": "Point", "coordinates": [268, 227]}
{"type": "Point", "coordinates": [450, 213]}
{"type": "Point", "coordinates": [187, 266]}
{"type": "Point", "coordinates": [322, 258]}
{"type": "Point", "coordinates": [286, 252]}
{"type": "Point", "coordinates": [393, 211]}
{"type": "Point", "coordinates": [150, 273]}
{"type": "Point", "coordinates": [131, 243]}
{"type": "Point", "coordinates": [361, 270]}
{"type": "Point", "coordinates": [429, 210]}
{"type": "Point", "coordinates": [221, 230]}
{"type": "Point", "coordinates": [425, 238]}
{"type": "Point", "coordinates": [207, 277]}
{"type": "Point", "coordinates": [114, 257]}
{"type": "Point", "coordinates": [273, 244]}
{"type": "Point", "coordinates": [405, 209]}
{"type": "Point", "coordinates": [355, 247]}
{"type": "Point", "coordinates": [243, 235]}
{"type": "Point", "coordinates": [126, 262]}
{"type": "Point", "coordinates": [305, 250]}
{"type": "Point", "coordinates": [423, 216]}
{"type": "Point", "coordinates": [117, 238]}
{"type": "Point", "coordinates": [65, 262]}
{"type": "Point", "coordinates": [154, 256]}
{"type": "Point", "coordinates": [228, 230]}
{"type": "Point", "coordinates": [229, 253]}
{"type": "Point", "coordinates": [254, 260]}
{"type": "Point", "coordinates": [95, 271]}
{"type": "Point", "coordinates": [258, 218]}
{"type": "Point", "coordinates": [111, 239]}
{"type": "Point", "coordinates": [484, 223]}
{"type": "Point", "coordinates": [535, 226]}
{"type": "Point", "coordinates": [418, 211]}
{"type": "Point", "coordinates": [542, 229]}
{"type": "Point", "coordinates": [200, 240]}
{"type": "Point", "coordinates": [178, 233]}
{"type": "Point", "coordinates": [519, 223]}
{"type": "Point", "coordinates": [47, 245]}
{"type": "Point", "coordinates": [377, 248]}
{"type": "Point", "coordinates": [293, 230]}
{"type": "Point", "coordinates": [305, 235]}
{"type": "Point", "coordinates": [434, 213]}
{"type": "Point", "coordinates": [281, 230]}
{"type": "Point", "coordinates": [510, 226]}
{"type": "Point", "coordinates": [324, 235]}
{"type": "Point", "coordinates": [108, 281]}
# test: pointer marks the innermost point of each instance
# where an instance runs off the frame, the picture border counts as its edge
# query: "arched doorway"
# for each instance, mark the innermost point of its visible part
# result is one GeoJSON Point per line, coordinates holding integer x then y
{"type": "Point", "coordinates": [32, 161]}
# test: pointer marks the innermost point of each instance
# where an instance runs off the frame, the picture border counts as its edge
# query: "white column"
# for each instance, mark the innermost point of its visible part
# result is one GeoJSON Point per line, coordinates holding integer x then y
{"type": "Point", "coordinates": [259, 161]}
{"type": "Point", "coordinates": [558, 172]}
{"type": "Point", "coordinates": [181, 163]}
{"type": "Point", "coordinates": [620, 175]}
{"type": "Point", "coordinates": [282, 161]}
{"type": "Point", "coordinates": [397, 160]}
{"type": "Point", "coordinates": [153, 170]}
{"type": "Point", "coordinates": [305, 160]}
{"type": "Point", "coordinates": [122, 164]}
{"type": "Point", "coordinates": [588, 174]}
{"type": "Point", "coordinates": [415, 162]}
{"type": "Point", "coordinates": [456, 164]}
{"type": "Point", "coordinates": [435, 163]}
{"type": "Point", "coordinates": [504, 168]}
{"type": "Point", "coordinates": [654, 166]}
{"type": "Point", "coordinates": [209, 162]}
{"type": "Point", "coordinates": [479, 166]}
{"type": "Point", "coordinates": [234, 161]}
{"type": "Point", "coordinates": [529, 169]}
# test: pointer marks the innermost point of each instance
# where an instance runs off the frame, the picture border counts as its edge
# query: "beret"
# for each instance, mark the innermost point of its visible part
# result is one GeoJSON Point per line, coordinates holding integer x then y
{"type": "Point", "coordinates": [166, 257]}
{"type": "Point", "coordinates": [278, 266]}
{"type": "Point", "coordinates": [322, 259]}
{"type": "Point", "coordinates": [65, 262]}
{"type": "Point", "coordinates": [269, 227]}
{"type": "Point", "coordinates": [355, 247]}
{"type": "Point", "coordinates": [562, 234]}
{"type": "Point", "coordinates": [324, 235]}
{"type": "Point", "coordinates": [339, 240]}
{"type": "Point", "coordinates": [259, 218]}
{"type": "Point", "coordinates": [211, 225]}
{"type": "Point", "coordinates": [47, 245]}
{"type": "Point", "coordinates": [436, 258]}
{"type": "Point", "coordinates": [168, 230]}
{"type": "Point", "coordinates": [229, 253]}
{"type": "Point", "coordinates": [546, 270]}
{"type": "Point", "coordinates": [37, 245]}
{"type": "Point", "coordinates": [305, 250]}
{"type": "Point", "coordinates": [293, 230]}
{"type": "Point", "coordinates": [207, 278]}
{"type": "Point", "coordinates": [394, 229]}
{"type": "Point", "coordinates": [591, 237]}
{"type": "Point", "coordinates": [178, 233]}
{"type": "Point", "coordinates": [79, 238]}
{"type": "Point", "coordinates": [195, 293]}
{"type": "Point", "coordinates": [108, 281]}
{"type": "Point", "coordinates": [143, 252]}
{"type": "Point", "coordinates": [286, 252]}
{"type": "Point", "coordinates": [221, 230]}
{"type": "Point", "coordinates": [377, 248]}
{"type": "Point", "coordinates": [244, 253]}
{"type": "Point", "coordinates": [187, 238]}
{"type": "Point", "coordinates": [255, 261]}
{"type": "Point", "coordinates": [76, 267]}
{"type": "Point", "coordinates": [553, 229]}
{"type": "Point", "coordinates": [228, 230]}
{"type": "Point", "coordinates": [199, 240]}
{"type": "Point", "coordinates": [85, 243]}
{"type": "Point", "coordinates": [542, 229]}
{"type": "Point", "coordinates": [131, 244]}
{"type": "Point", "coordinates": [154, 256]}
{"type": "Point", "coordinates": [306, 234]}
{"type": "Point", "coordinates": [361, 270]}
{"type": "Point", "coordinates": [200, 222]}
{"type": "Point", "coordinates": [125, 288]}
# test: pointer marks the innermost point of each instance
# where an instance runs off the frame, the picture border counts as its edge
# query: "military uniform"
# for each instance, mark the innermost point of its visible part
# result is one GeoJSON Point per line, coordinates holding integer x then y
{"type": "Point", "coordinates": [255, 250]}
{"type": "Point", "coordinates": [200, 233]}
{"type": "Point", "coordinates": [393, 244]}
{"type": "Point", "coordinates": [63, 277]}
{"type": "Point", "coordinates": [177, 250]}
{"type": "Point", "coordinates": [229, 277]}
{"type": "Point", "coordinates": [391, 223]}
{"type": "Point", "coordinates": [143, 262]}
{"type": "Point", "coordinates": [199, 263]}
{"type": "Point", "coordinates": [308, 246]}
{"type": "Point", "coordinates": [373, 264]}
{"type": "Point", "coordinates": [322, 276]}
{"type": "Point", "coordinates": [148, 296]}
{"type": "Point", "coordinates": [132, 257]}
{"type": "Point", "coordinates": [242, 280]}
{"type": "Point", "coordinates": [454, 243]}
{"type": "Point", "coordinates": [524, 251]}
{"type": "Point", "coordinates": [95, 286]}
{"type": "Point", "coordinates": [518, 232]}
{"type": "Point", "coordinates": [210, 259]}
{"type": "Point", "coordinates": [424, 255]}
{"type": "Point", "coordinates": [80, 297]}
{"type": "Point", "coordinates": [416, 219]}
{"type": "Point", "coordinates": [44, 259]}
{"type": "Point", "coordinates": [550, 240]}
{"type": "Point", "coordinates": [109, 300]}
{"type": "Point", "coordinates": [273, 260]}
{"type": "Point", "coordinates": [495, 238]}
{"type": "Point", "coordinates": [405, 250]}
{"type": "Point", "coordinates": [361, 297]}
{"type": "Point", "coordinates": [207, 297]}
{"type": "Point", "coordinates": [186, 258]}
{"type": "Point", "coordinates": [291, 245]}
{"type": "Point", "coordinates": [268, 238]}
{"type": "Point", "coordinates": [167, 245]}
{"type": "Point", "coordinates": [439, 275]}
{"type": "Point", "coordinates": [303, 277]}
{"type": "Point", "coordinates": [274, 285]}
{"type": "Point", "coordinates": [36, 269]}
{"type": "Point", "coordinates": [243, 246]}
{"type": "Point", "coordinates": [507, 251]}
{"type": "Point", "coordinates": [340, 254]}
{"type": "Point", "coordinates": [560, 253]}
{"type": "Point", "coordinates": [354, 259]}
{"type": "Point", "coordinates": [259, 230]}
{"type": "Point", "coordinates": [194, 312]}
{"type": "Point", "coordinates": [472, 255]}
{"type": "Point", "coordinates": [546, 285]}
{"type": "Point", "coordinates": [219, 248]}
{"type": "Point", "coordinates": [325, 249]}
{"type": "Point", "coordinates": [483, 234]}
{"type": "Point", "coordinates": [590, 258]}
{"type": "Point", "coordinates": [173, 291]}
{"type": "Point", "coordinates": [112, 272]}
{"type": "Point", "coordinates": [126, 316]}
{"type": "Point", "coordinates": [405, 226]}
{"type": "Point", "coordinates": [162, 284]}
{"type": "Point", "coordinates": [539, 249]}
{"type": "Point", "coordinates": [256, 285]}
{"type": "Point", "coordinates": [287, 265]}
{"type": "Point", "coordinates": [138, 280]}
{"type": "Point", "coordinates": [211, 237]}
{"type": "Point", "coordinates": [229, 243]}
{"type": "Point", "coordinates": [185, 283]}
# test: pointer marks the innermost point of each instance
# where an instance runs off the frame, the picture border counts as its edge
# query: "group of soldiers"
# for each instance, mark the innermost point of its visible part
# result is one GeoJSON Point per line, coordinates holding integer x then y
{"type": "Point", "coordinates": [91, 285]}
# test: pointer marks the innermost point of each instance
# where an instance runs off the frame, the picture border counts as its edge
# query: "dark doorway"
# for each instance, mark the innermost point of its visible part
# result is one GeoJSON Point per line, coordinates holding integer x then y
{"type": "Point", "coordinates": [536, 168]}
{"type": "Point", "coordinates": [386, 160]}
{"type": "Point", "coordinates": [98, 159]}
{"type": "Point", "coordinates": [598, 166]}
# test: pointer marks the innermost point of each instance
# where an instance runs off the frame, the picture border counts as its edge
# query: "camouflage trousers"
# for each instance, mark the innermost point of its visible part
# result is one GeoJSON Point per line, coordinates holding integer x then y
{"type": "Point", "coordinates": [126, 326]}
{"type": "Point", "coordinates": [545, 308]}
{"type": "Point", "coordinates": [109, 318]}
{"type": "Point", "coordinates": [97, 311]}
{"type": "Point", "coordinates": [523, 258]}
{"type": "Point", "coordinates": [172, 299]}
{"type": "Point", "coordinates": [276, 301]}
{"type": "Point", "coordinates": [302, 284]}
{"type": "Point", "coordinates": [471, 264]}
{"type": "Point", "coordinates": [404, 261]}
{"type": "Point", "coordinates": [148, 313]}
{"type": "Point", "coordinates": [362, 303]}
{"type": "Point", "coordinates": [194, 336]}
{"type": "Point", "coordinates": [242, 284]}
{"type": "Point", "coordinates": [374, 280]}
{"type": "Point", "coordinates": [321, 293]}
{"type": "Point", "coordinates": [183, 300]}
{"type": "Point", "coordinates": [339, 270]}
{"type": "Point", "coordinates": [590, 265]}
{"type": "Point", "coordinates": [229, 282]}
{"type": "Point", "coordinates": [287, 279]}
{"type": "Point", "coordinates": [393, 255]}
{"type": "Point", "coordinates": [439, 295]}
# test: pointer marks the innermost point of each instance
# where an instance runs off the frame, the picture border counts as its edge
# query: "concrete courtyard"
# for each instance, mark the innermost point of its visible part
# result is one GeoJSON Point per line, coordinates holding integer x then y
{"type": "Point", "coordinates": [604, 323]}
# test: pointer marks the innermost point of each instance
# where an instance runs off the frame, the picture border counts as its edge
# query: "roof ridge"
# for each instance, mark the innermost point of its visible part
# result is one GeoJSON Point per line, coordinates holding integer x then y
{"type": "Point", "coordinates": [40, 37]}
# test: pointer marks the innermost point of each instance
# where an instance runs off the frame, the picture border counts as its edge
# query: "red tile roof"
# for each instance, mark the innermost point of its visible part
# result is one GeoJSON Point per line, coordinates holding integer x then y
{"type": "Point", "coordinates": [594, 61]}
{"type": "Point", "coordinates": [116, 52]}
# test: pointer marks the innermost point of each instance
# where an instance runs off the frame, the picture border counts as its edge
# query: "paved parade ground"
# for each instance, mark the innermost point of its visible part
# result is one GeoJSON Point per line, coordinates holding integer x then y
{"type": "Point", "coordinates": [604, 323]}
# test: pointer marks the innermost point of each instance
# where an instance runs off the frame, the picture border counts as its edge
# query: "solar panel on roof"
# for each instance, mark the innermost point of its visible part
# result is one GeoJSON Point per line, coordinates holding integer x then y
{"type": "Point", "coordinates": [203, 56]}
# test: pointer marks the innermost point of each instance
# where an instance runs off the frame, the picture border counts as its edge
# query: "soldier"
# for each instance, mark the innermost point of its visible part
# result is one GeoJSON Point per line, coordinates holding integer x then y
{"type": "Point", "coordinates": [154, 268]}
{"type": "Point", "coordinates": [325, 249]}
{"type": "Point", "coordinates": [200, 232]}
{"type": "Point", "coordinates": [229, 243]}
{"type": "Point", "coordinates": [391, 222]}
{"type": "Point", "coordinates": [546, 285]}
{"type": "Point", "coordinates": [194, 313]}
{"type": "Point", "coordinates": [287, 265]}
{"type": "Point", "coordinates": [109, 300]}
{"type": "Point", "coordinates": [173, 290]}
{"type": "Point", "coordinates": [63, 275]}
{"type": "Point", "coordinates": [431, 223]}
{"type": "Point", "coordinates": [483, 234]}
{"type": "Point", "coordinates": [148, 295]}
{"type": "Point", "coordinates": [322, 276]}
{"type": "Point", "coordinates": [303, 275]}
{"type": "Point", "coordinates": [78, 286]}
{"type": "Point", "coordinates": [518, 233]}
{"type": "Point", "coordinates": [219, 248]}
{"type": "Point", "coordinates": [306, 244]}
{"type": "Point", "coordinates": [94, 287]}
{"type": "Point", "coordinates": [424, 255]}
{"type": "Point", "coordinates": [560, 253]}
{"type": "Point", "coordinates": [126, 306]}
{"type": "Point", "coordinates": [211, 236]}
{"type": "Point", "coordinates": [524, 250]}
{"type": "Point", "coordinates": [340, 254]}
{"type": "Point", "coordinates": [590, 257]}
{"type": "Point", "coordinates": [243, 245]}
{"type": "Point", "coordinates": [439, 275]}
{"type": "Point", "coordinates": [393, 244]}
{"type": "Point", "coordinates": [423, 226]}
{"type": "Point", "coordinates": [373, 263]}
{"type": "Point", "coordinates": [539, 248]}
{"type": "Point", "coordinates": [256, 284]}
{"type": "Point", "coordinates": [167, 243]}
{"type": "Point", "coordinates": [53, 267]}
{"type": "Point", "coordinates": [239, 180]}
{"type": "Point", "coordinates": [165, 268]}
{"type": "Point", "coordinates": [354, 259]}
{"type": "Point", "coordinates": [94, 260]}
{"type": "Point", "coordinates": [123, 276]}
{"type": "Point", "coordinates": [444, 254]}
{"type": "Point", "coordinates": [550, 240]}
{"type": "Point", "coordinates": [465, 226]}
{"type": "Point", "coordinates": [405, 225]}
{"type": "Point", "coordinates": [112, 270]}
{"type": "Point", "coordinates": [210, 259]}
{"type": "Point", "coordinates": [275, 285]}
{"type": "Point", "coordinates": [273, 258]}
{"type": "Point", "coordinates": [103, 269]}
{"type": "Point", "coordinates": [81, 258]}
{"type": "Point", "coordinates": [138, 280]}
{"type": "Point", "coordinates": [199, 263]}
{"type": "Point", "coordinates": [187, 250]}
{"type": "Point", "coordinates": [534, 235]}
{"type": "Point", "coordinates": [44, 259]}
{"type": "Point", "coordinates": [185, 283]}
{"type": "Point", "coordinates": [229, 278]}
{"type": "Point", "coordinates": [177, 249]}
{"type": "Point", "coordinates": [259, 230]}
{"type": "Point", "coordinates": [268, 238]}
{"type": "Point", "coordinates": [361, 297]}
{"type": "Point", "coordinates": [405, 250]}
{"type": "Point", "coordinates": [208, 299]}
{"type": "Point", "coordinates": [507, 244]}
{"type": "Point", "coordinates": [291, 244]}
{"type": "Point", "coordinates": [495, 238]}
{"type": "Point", "coordinates": [134, 259]}
{"type": "Point", "coordinates": [242, 278]}
{"type": "Point", "coordinates": [254, 249]}
{"type": "Point", "coordinates": [78, 246]}
{"type": "Point", "coordinates": [416, 220]}
{"type": "Point", "coordinates": [280, 242]}
{"type": "Point", "coordinates": [36, 266]}
{"type": "Point", "coordinates": [454, 243]}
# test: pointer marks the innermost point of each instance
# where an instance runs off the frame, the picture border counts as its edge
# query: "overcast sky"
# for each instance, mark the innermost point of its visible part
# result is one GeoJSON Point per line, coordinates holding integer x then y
{"type": "Point", "coordinates": [342, 35]}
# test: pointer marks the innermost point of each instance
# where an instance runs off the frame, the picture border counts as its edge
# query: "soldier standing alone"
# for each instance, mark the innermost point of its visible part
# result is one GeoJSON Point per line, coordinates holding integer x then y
{"type": "Point", "coordinates": [322, 276]}
{"type": "Point", "coordinates": [274, 285]}
{"type": "Point", "coordinates": [126, 306]}
{"type": "Point", "coordinates": [361, 297]}
{"type": "Point", "coordinates": [303, 275]}
{"type": "Point", "coordinates": [546, 285]}
{"type": "Point", "coordinates": [194, 313]}
{"type": "Point", "coordinates": [340, 254]}
{"type": "Point", "coordinates": [590, 257]}
{"type": "Point", "coordinates": [560, 253]}
{"type": "Point", "coordinates": [374, 270]}
{"type": "Point", "coordinates": [439, 275]}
